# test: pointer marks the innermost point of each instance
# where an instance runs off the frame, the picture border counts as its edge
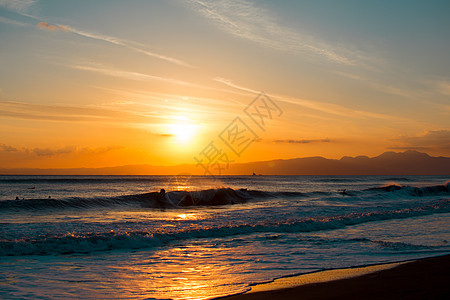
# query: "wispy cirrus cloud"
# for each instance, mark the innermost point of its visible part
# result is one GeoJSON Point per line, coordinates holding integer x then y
{"type": "Point", "coordinates": [210, 108]}
{"type": "Point", "coordinates": [433, 139]}
{"type": "Point", "coordinates": [146, 113]}
{"type": "Point", "coordinates": [302, 141]}
{"type": "Point", "coordinates": [13, 22]}
{"type": "Point", "coordinates": [411, 90]}
{"type": "Point", "coordinates": [45, 25]}
{"type": "Point", "coordinates": [110, 71]}
{"type": "Point", "coordinates": [442, 87]}
{"type": "Point", "coordinates": [130, 75]}
{"type": "Point", "coordinates": [247, 20]}
{"type": "Point", "coordinates": [323, 107]}
{"type": "Point", "coordinates": [65, 113]}
{"type": "Point", "coordinates": [127, 44]}
{"type": "Point", "coordinates": [20, 6]}
{"type": "Point", "coordinates": [230, 83]}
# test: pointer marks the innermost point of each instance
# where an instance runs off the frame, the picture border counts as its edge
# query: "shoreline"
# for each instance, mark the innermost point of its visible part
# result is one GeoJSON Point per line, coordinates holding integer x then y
{"type": "Point", "coordinates": [425, 278]}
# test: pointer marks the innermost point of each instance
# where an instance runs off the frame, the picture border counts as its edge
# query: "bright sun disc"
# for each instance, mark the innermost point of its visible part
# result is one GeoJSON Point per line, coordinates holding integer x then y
{"type": "Point", "coordinates": [183, 132]}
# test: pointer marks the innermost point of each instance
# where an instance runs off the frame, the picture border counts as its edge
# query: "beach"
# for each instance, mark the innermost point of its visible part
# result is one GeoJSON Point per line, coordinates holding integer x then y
{"type": "Point", "coordinates": [426, 278]}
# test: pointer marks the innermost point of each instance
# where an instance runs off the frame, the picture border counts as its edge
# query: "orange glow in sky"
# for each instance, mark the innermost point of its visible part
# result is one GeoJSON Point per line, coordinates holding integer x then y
{"type": "Point", "coordinates": [156, 87]}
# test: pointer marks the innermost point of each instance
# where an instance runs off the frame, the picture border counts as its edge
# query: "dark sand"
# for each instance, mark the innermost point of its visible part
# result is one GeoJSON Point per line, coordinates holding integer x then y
{"type": "Point", "coordinates": [427, 278]}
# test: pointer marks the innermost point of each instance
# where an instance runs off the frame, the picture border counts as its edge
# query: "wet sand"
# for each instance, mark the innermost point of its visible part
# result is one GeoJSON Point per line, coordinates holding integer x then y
{"type": "Point", "coordinates": [427, 278]}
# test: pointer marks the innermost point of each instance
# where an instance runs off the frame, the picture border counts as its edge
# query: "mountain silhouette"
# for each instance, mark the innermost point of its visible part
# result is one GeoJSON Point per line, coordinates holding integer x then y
{"type": "Point", "coordinates": [389, 163]}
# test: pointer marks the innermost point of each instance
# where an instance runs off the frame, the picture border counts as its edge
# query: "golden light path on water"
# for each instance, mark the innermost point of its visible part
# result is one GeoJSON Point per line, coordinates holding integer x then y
{"type": "Point", "coordinates": [193, 272]}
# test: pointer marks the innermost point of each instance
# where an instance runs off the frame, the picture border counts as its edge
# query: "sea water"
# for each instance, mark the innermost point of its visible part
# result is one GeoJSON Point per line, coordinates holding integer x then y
{"type": "Point", "coordinates": [110, 237]}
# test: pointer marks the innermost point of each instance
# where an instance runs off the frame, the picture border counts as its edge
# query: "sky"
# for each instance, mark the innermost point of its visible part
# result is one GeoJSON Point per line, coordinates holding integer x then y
{"type": "Point", "coordinates": [110, 83]}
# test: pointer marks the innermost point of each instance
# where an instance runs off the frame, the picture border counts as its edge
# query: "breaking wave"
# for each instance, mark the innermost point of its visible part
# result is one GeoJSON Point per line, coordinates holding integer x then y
{"type": "Point", "coordinates": [69, 243]}
{"type": "Point", "coordinates": [210, 197]}
{"type": "Point", "coordinates": [414, 191]}
{"type": "Point", "coordinates": [175, 199]}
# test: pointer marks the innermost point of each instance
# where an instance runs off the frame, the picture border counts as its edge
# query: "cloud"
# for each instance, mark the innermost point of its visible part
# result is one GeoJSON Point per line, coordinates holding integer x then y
{"type": "Point", "coordinates": [7, 148]}
{"type": "Point", "coordinates": [42, 152]}
{"type": "Point", "coordinates": [408, 92]}
{"type": "Point", "coordinates": [20, 6]}
{"type": "Point", "coordinates": [47, 26]}
{"type": "Point", "coordinates": [324, 107]}
{"type": "Point", "coordinates": [411, 91]}
{"type": "Point", "coordinates": [23, 6]}
{"type": "Point", "coordinates": [120, 102]}
{"type": "Point", "coordinates": [129, 75]}
{"type": "Point", "coordinates": [111, 71]}
{"type": "Point", "coordinates": [38, 151]}
{"type": "Point", "coordinates": [443, 87]}
{"type": "Point", "coordinates": [65, 113]}
{"type": "Point", "coordinates": [433, 139]}
{"type": "Point", "coordinates": [230, 83]}
{"type": "Point", "coordinates": [99, 150]}
{"type": "Point", "coordinates": [165, 135]}
{"type": "Point", "coordinates": [52, 152]}
{"type": "Point", "coordinates": [127, 44]}
{"type": "Point", "coordinates": [210, 109]}
{"type": "Point", "coordinates": [12, 22]}
{"type": "Point", "coordinates": [291, 141]}
{"type": "Point", "coordinates": [334, 109]}
{"type": "Point", "coordinates": [408, 148]}
{"type": "Point", "coordinates": [246, 20]}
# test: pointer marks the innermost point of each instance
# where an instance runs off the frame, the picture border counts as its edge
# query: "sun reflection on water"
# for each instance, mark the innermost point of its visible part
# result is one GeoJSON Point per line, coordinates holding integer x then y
{"type": "Point", "coordinates": [192, 272]}
{"type": "Point", "coordinates": [190, 216]}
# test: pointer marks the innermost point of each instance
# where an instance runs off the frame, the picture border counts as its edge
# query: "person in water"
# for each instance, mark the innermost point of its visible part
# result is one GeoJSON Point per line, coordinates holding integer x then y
{"type": "Point", "coordinates": [162, 195]}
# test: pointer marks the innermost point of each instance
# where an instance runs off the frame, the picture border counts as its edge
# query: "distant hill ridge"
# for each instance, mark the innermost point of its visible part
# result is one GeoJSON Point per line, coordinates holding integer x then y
{"type": "Point", "coordinates": [389, 163]}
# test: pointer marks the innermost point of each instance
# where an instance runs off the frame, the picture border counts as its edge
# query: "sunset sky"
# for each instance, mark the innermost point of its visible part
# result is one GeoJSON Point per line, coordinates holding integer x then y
{"type": "Point", "coordinates": [109, 83]}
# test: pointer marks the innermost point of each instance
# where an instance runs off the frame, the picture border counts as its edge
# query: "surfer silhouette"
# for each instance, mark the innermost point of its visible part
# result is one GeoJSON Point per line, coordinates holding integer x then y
{"type": "Point", "coordinates": [344, 192]}
{"type": "Point", "coordinates": [162, 195]}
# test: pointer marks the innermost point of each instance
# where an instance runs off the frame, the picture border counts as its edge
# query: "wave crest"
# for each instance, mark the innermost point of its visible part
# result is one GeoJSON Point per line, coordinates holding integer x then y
{"type": "Point", "coordinates": [174, 199]}
{"type": "Point", "coordinates": [69, 243]}
{"type": "Point", "coordinates": [415, 191]}
{"type": "Point", "coordinates": [210, 197]}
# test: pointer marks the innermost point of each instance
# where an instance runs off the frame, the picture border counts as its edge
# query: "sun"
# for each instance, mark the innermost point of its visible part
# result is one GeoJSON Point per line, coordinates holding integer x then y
{"type": "Point", "coordinates": [183, 132]}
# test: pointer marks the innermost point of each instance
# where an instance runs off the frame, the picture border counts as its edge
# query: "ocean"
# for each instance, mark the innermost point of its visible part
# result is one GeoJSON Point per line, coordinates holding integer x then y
{"type": "Point", "coordinates": [118, 237]}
